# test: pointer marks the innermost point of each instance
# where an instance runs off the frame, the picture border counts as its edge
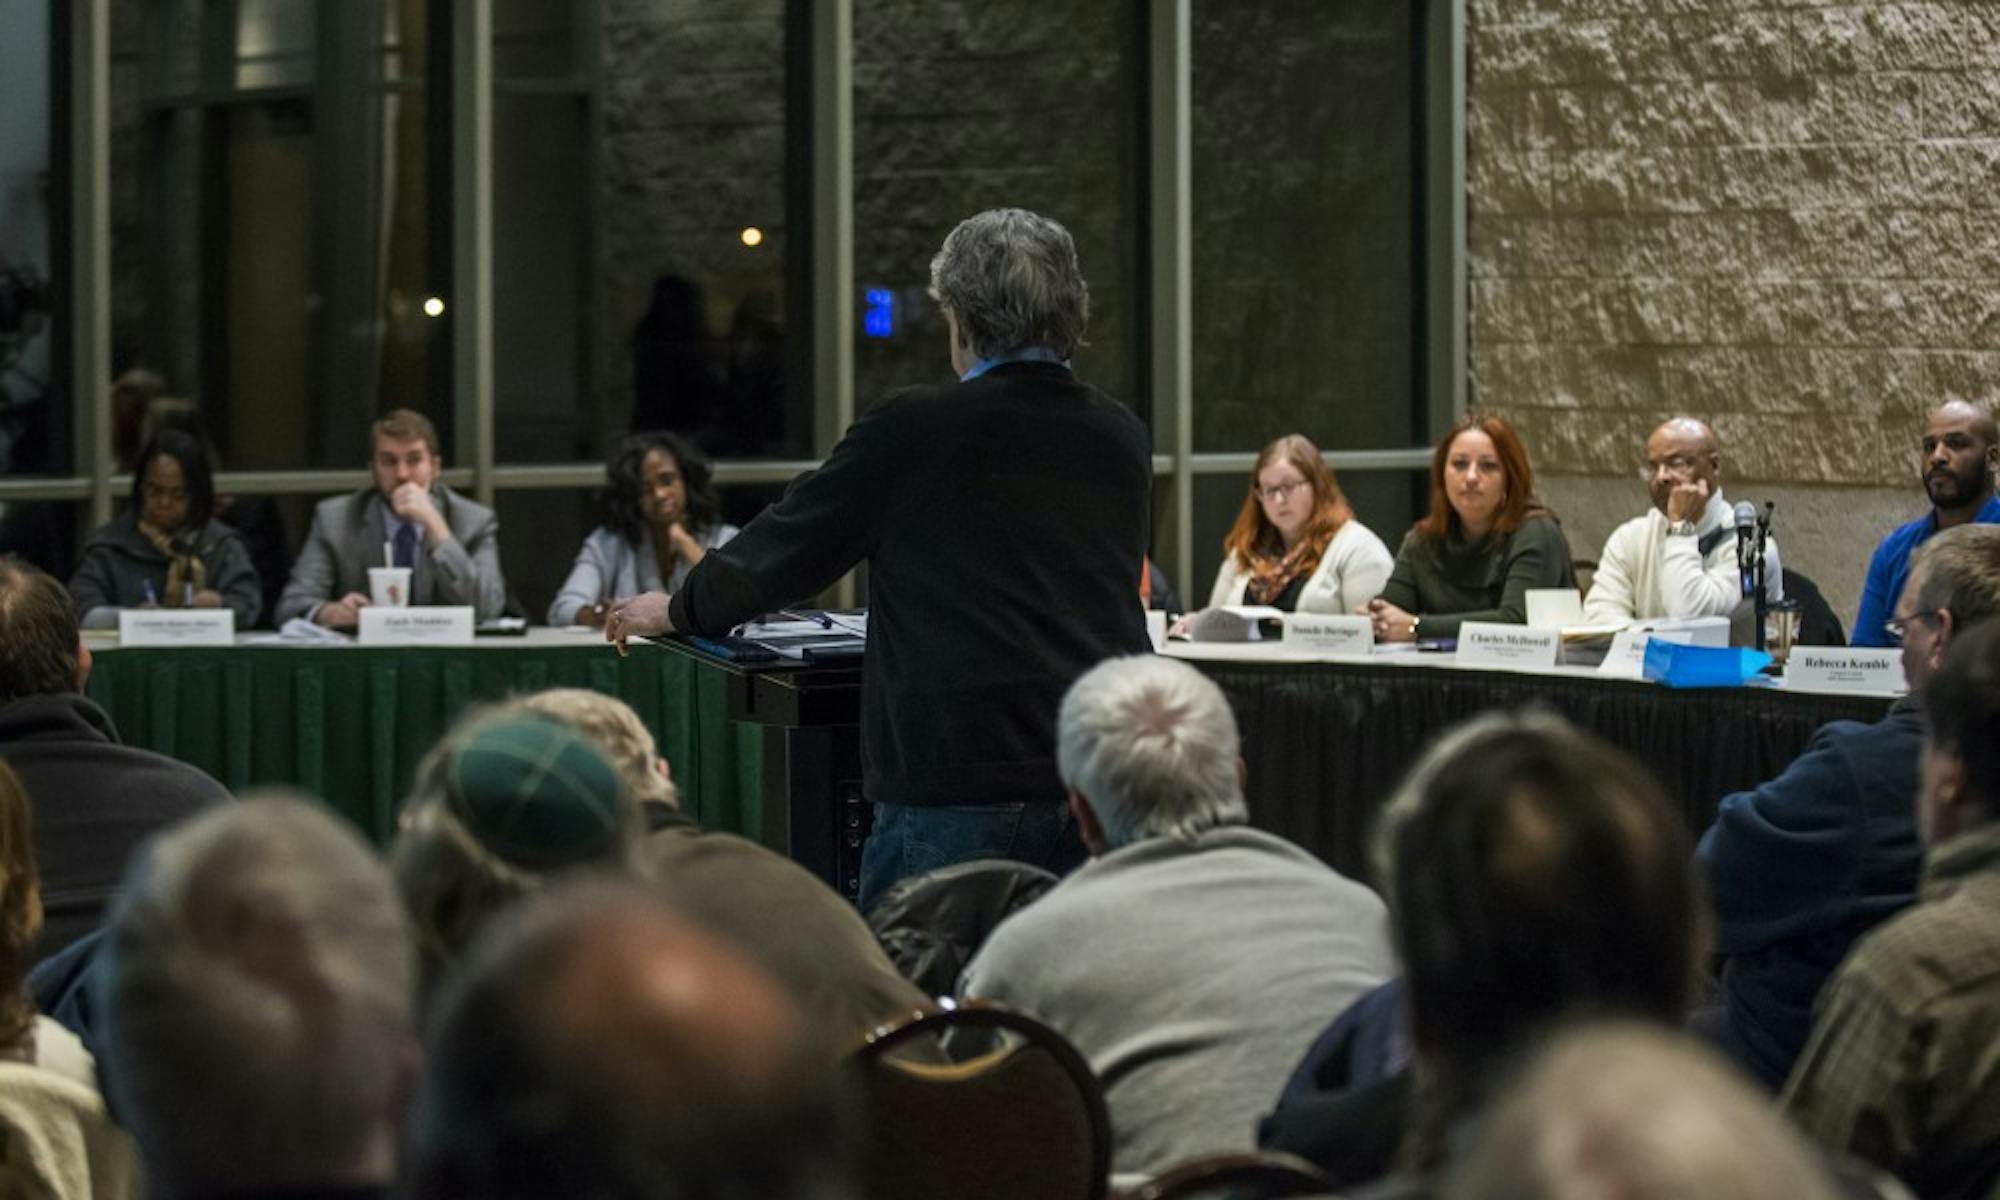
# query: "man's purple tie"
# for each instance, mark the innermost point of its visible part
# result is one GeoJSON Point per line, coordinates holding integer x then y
{"type": "Point", "coordinates": [406, 545]}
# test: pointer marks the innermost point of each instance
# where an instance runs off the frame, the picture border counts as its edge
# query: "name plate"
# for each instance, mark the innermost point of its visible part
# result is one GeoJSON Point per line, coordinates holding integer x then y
{"type": "Point", "coordinates": [445, 625]}
{"type": "Point", "coordinates": [1491, 644]}
{"type": "Point", "coordinates": [177, 627]}
{"type": "Point", "coordinates": [1627, 657]}
{"type": "Point", "coordinates": [1329, 632]}
{"type": "Point", "coordinates": [1822, 669]}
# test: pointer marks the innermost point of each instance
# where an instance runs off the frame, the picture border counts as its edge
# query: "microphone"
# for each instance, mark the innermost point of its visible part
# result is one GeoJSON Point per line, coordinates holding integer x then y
{"type": "Point", "coordinates": [1746, 545]}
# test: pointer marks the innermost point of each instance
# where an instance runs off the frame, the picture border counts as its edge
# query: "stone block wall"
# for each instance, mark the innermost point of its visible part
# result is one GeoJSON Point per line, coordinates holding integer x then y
{"type": "Point", "coordinates": [1781, 215]}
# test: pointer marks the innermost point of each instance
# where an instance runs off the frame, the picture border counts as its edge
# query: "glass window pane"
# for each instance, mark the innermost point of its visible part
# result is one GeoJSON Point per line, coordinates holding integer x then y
{"type": "Point", "coordinates": [544, 408]}
{"type": "Point", "coordinates": [34, 429]}
{"type": "Point", "coordinates": [1304, 169]}
{"type": "Point", "coordinates": [538, 38]}
{"type": "Point", "coordinates": [42, 532]}
{"type": "Point", "coordinates": [275, 254]}
{"type": "Point", "coordinates": [690, 320]}
{"type": "Point", "coordinates": [960, 108]}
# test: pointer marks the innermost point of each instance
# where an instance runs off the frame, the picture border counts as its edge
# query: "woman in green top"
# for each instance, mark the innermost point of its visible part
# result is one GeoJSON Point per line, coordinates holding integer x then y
{"type": "Point", "coordinates": [1486, 541]}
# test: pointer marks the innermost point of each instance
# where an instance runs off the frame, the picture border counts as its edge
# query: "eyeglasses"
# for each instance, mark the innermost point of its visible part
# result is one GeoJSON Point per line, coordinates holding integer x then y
{"type": "Point", "coordinates": [1898, 625]}
{"type": "Point", "coordinates": [1676, 464]}
{"type": "Point", "coordinates": [1278, 491]}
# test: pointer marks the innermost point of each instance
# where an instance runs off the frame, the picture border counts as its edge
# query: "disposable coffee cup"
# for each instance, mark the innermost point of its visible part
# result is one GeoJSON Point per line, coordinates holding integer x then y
{"type": "Point", "coordinates": [389, 586]}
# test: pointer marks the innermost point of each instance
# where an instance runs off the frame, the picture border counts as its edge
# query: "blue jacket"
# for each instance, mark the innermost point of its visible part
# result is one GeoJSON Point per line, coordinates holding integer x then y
{"type": "Point", "coordinates": [1800, 868]}
{"type": "Point", "coordinates": [1891, 567]}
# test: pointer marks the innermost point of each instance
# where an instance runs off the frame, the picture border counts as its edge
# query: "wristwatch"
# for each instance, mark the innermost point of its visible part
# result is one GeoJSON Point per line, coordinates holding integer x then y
{"type": "Point", "coordinates": [1680, 528]}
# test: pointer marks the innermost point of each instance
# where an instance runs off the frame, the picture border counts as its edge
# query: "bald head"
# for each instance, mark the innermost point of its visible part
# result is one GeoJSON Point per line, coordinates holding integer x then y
{"type": "Point", "coordinates": [646, 999]}
{"type": "Point", "coordinates": [598, 1043]}
{"type": "Point", "coordinates": [1683, 466]}
{"type": "Point", "coordinates": [1960, 453]}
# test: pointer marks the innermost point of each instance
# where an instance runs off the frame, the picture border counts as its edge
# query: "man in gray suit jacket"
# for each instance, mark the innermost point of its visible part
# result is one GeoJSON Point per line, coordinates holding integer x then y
{"type": "Point", "coordinates": [451, 544]}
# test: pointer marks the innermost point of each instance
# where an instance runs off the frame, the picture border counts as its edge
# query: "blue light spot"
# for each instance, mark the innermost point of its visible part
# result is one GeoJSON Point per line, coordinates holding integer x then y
{"type": "Point", "coordinates": [878, 318]}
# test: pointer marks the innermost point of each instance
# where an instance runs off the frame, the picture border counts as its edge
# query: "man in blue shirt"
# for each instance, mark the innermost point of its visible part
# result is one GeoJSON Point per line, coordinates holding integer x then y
{"type": "Point", "coordinates": [1961, 453]}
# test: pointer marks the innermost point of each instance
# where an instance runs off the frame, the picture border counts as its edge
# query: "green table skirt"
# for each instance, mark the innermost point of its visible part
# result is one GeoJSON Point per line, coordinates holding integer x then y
{"type": "Point", "coordinates": [349, 724]}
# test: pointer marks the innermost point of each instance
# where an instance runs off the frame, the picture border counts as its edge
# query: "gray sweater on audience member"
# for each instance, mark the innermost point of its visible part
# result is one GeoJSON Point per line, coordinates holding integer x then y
{"type": "Point", "coordinates": [1193, 974]}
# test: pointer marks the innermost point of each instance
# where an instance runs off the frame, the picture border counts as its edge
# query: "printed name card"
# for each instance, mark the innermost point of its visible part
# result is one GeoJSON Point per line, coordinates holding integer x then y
{"type": "Point", "coordinates": [1332, 633]}
{"type": "Point", "coordinates": [1627, 657]}
{"type": "Point", "coordinates": [177, 627]}
{"type": "Point", "coordinates": [1489, 644]}
{"type": "Point", "coordinates": [1822, 669]}
{"type": "Point", "coordinates": [446, 625]}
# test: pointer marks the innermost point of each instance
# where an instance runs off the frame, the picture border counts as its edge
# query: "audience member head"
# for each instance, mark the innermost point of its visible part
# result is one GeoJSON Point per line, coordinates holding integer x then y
{"type": "Point", "coordinates": [1008, 280]}
{"type": "Point", "coordinates": [1954, 584]}
{"type": "Point", "coordinates": [505, 802]}
{"type": "Point", "coordinates": [1147, 747]}
{"type": "Point", "coordinates": [1961, 761]}
{"type": "Point", "coordinates": [403, 448]}
{"type": "Point", "coordinates": [257, 985]}
{"type": "Point", "coordinates": [1293, 498]}
{"type": "Point", "coordinates": [20, 908]}
{"type": "Point", "coordinates": [41, 652]}
{"type": "Point", "coordinates": [599, 1044]}
{"type": "Point", "coordinates": [615, 730]}
{"type": "Point", "coordinates": [655, 480]}
{"type": "Point", "coordinates": [173, 484]}
{"type": "Point", "coordinates": [1630, 1111]}
{"type": "Point", "coordinates": [1480, 480]}
{"type": "Point", "coordinates": [1961, 451]}
{"type": "Point", "coordinates": [1681, 450]}
{"type": "Point", "coordinates": [1535, 875]}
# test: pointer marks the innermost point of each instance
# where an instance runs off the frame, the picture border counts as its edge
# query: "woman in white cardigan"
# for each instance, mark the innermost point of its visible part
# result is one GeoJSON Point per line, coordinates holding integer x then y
{"type": "Point", "coordinates": [1296, 545]}
{"type": "Point", "coordinates": [661, 517]}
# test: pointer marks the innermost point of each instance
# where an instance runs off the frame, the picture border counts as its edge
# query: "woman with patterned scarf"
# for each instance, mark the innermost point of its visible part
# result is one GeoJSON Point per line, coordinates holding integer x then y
{"type": "Point", "coordinates": [1296, 545]}
{"type": "Point", "coordinates": [165, 551]}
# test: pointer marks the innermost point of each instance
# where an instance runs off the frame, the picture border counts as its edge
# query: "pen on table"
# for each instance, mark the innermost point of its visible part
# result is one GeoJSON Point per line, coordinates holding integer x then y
{"type": "Point", "coordinates": [152, 597]}
{"type": "Point", "coordinates": [819, 619]}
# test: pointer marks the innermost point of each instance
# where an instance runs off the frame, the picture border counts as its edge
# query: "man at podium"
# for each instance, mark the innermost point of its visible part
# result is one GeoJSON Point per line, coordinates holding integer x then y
{"type": "Point", "coordinates": [1002, 518]}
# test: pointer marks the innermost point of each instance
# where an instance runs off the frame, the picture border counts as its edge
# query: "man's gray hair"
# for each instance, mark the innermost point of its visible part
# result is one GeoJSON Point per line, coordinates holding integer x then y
{"type": "Point", "coordinates": [1959, 571]}
{"type": "Point", "coordinates": [1624, 1109]}
{"type": "Point", "coordinates": [258, 977]}
{"type": "Point", "coordinates": [1011, 280]}
{"type": "Point", "coordinates": [1151, 745]}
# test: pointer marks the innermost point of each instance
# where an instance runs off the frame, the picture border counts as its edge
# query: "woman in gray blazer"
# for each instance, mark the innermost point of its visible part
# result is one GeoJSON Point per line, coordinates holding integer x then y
{"type": "Point", "coordinates": [661, 515]}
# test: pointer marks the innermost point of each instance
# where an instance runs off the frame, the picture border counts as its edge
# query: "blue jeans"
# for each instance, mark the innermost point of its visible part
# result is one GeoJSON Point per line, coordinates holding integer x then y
{"type": "Point", "coordinates": [911, 839]}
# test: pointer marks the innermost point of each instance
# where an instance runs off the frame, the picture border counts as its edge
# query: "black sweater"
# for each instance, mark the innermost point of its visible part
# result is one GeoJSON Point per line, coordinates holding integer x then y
{"type": "Point", "coordinates": [94, 802]}
{"type": "Point", "coordinates": [1004, 524]}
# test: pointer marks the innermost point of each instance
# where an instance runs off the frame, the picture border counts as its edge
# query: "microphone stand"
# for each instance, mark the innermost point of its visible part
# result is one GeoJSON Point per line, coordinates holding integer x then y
{"type": "Point", "coordinates": [1762, 604]}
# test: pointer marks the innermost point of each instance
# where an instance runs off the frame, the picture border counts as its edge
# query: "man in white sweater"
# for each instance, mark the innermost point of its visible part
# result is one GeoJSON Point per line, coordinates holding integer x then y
{"type": "Point", "coordinates": [1192, 959]}
{"type": "Point", "coordinates": [1679, 559]}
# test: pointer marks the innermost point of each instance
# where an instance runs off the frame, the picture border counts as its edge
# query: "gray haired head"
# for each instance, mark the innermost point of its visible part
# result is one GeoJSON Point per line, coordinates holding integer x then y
{"type": "Point", "coordinates": [1011, 281]}
{"type": "Point", "coordinates": [258, 982]}
{"type": "Point", "coordinates": [1151, 746]}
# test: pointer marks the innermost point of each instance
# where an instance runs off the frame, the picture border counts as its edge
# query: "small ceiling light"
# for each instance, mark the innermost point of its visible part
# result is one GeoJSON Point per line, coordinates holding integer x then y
{"type": "Point", "coordinates": [752, 236]}
{"type": "Point", "coordinates": [433, 306]}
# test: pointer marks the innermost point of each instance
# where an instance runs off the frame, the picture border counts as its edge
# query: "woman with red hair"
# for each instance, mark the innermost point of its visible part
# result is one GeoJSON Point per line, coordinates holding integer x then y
{"type": "Point", "coordinates": [1296, 545]}
{"type": "Point", "coordinates": [1486, 541]}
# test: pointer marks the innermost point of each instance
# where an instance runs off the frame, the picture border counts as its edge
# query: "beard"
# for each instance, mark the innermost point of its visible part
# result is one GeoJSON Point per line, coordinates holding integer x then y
{"type": "Point", "coordinates": [1952, 489]}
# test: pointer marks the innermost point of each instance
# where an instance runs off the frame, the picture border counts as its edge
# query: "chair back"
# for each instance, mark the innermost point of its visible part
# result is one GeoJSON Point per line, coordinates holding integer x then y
{"type": "Point", "coordinates": [1819, 625]}
{"type": "Point", "coordinates": [978, 1102]}
{"type": "Point", "coordinates": [1262, 1176]}
{"type": "Point", "coordinates": [58, 1143]}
